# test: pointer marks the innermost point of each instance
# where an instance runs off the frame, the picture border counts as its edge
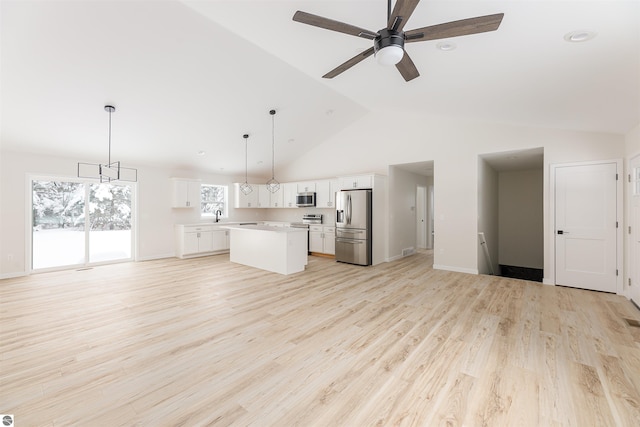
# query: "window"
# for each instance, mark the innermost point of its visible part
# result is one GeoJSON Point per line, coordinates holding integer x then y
{"type": "Point", "coordinates": [212, 199]}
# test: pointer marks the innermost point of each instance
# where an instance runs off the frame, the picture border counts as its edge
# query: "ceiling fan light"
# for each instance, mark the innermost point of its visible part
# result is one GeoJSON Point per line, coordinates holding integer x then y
{"type": "Point", "coordinates": [389, 55]}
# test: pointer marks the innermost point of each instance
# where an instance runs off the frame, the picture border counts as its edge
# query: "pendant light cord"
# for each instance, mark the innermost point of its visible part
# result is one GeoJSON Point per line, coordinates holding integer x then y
{"type": "Point", "coordinates": [246, 158]}
{"type": "Point", "coordinates": [109, 160]}
{"type": "Point", "coordinates": [273, 143]}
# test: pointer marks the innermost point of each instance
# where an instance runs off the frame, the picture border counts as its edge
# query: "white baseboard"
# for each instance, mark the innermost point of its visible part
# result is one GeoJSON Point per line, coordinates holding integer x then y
{"type": "Point", "coordinates": [12, 275]}
{"type": "Point", "coordinates": [546, 281]}
{"type": "Point", "coordinates": [456, 269]}
{"type": "Point", "coordinates": [154, 257]}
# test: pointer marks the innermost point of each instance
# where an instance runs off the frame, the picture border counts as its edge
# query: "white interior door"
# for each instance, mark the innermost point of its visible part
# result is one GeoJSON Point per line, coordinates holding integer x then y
{"type": "Point", "coordinates": [634, 222]}
{"type": "Point", "coordinates": [585, 226]}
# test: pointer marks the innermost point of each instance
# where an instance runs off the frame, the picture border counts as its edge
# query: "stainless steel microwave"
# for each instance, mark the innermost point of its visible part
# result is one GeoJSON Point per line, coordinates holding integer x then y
{"type": "Point", "coordinates": [305, 199]}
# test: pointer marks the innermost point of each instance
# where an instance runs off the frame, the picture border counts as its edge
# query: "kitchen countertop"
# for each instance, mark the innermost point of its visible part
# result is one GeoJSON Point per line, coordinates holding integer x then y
{"type": "Point", "coordinates": [265, 228]}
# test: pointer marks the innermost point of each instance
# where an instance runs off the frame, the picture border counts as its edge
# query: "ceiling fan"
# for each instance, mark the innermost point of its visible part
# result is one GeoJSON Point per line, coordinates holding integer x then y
{"type": "Point", "coordinates": [388, 43]}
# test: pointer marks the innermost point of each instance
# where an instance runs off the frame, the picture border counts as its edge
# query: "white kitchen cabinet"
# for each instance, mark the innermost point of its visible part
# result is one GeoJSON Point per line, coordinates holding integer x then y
{"type": "Point", "coordinates": [246, 200]}
{"type": "Point", "coordinates": [186, 193]}
{"type": "Point", "coordinates": [264, 196]}
{"type": "Point", "coordinates": [322, 239]}
{"type": "Point", "coordinates": [355, 182]}
{"type": "Point", "coordinates": [329, 240]}
{"type": "Point", "coordinates": [220, 239]}
{"type": "Point", "coordinates": [276, 200]}
{"type": "Point", "coordinates": [306, 187]}
{"type": "Point", "coordinates": [316, 241]}
{"type": "Point", "coordinates": [326, 193]}
{"type": "Point", "coordinates": [193, 240]}
{"type": "Point", "coordinates": [289, 193]}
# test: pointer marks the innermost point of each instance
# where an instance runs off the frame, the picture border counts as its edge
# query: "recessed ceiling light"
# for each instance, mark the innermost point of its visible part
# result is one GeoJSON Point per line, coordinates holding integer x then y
{"type": "Point", "coordinates": [201, 153]}
{"type": "Point", "coordinates": [446, 46]}
{"type": "Point", "coordinates": [579, 36]}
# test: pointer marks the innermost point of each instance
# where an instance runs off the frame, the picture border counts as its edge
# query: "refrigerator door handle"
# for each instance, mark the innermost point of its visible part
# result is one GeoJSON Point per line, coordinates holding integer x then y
{"type": "Point", "coordinates": [349, 209]}
{"type": "Point", "coordinates": [349, 241]}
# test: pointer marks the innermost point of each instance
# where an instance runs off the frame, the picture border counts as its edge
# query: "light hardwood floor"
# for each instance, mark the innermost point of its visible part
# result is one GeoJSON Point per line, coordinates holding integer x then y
{"type": "Point", "coordinates": [203, 341]}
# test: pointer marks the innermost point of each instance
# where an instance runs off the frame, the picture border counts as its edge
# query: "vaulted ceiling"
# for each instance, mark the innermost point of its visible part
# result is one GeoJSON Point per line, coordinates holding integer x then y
{"type": "Point", "coordinates": [192, 76]}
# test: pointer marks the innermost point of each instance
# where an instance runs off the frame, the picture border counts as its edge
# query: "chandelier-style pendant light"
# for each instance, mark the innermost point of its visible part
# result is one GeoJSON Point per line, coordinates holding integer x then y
{"type": "Point", "coordinates": [110, 171]}
{"type": "Point", "coordinates": [246, 187]}
{"type": "Point", "coordinates": [273, 185]}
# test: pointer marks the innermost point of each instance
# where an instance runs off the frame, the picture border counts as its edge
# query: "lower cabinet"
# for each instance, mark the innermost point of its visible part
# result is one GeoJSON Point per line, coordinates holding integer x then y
{"type": "Point", "coordinates": [199, 240]}
{"type": "Point", "coordinates": [322, 239]}
{"type": "Point", "coordinates": [220, 240]}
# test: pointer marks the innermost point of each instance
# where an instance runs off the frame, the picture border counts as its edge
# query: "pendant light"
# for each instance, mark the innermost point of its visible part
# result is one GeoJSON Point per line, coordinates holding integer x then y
{"type": "Point", "coordinates": [110, 171]}
{"type": "Point", "coordinates": [246, 187]}
{"type": "Point", "coordinates": [273, 185]}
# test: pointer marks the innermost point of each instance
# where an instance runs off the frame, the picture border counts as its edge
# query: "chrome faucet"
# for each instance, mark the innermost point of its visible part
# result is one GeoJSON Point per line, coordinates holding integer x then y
{"type": "Point", "coordinates": [218, 212]}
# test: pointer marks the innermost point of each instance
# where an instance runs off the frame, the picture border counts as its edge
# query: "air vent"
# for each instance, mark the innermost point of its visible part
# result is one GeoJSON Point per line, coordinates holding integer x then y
{"type": "Point", "coordinates": [408, 251]}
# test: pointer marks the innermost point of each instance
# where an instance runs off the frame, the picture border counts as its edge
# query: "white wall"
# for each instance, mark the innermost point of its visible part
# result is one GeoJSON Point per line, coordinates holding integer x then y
{"type": "Point", "coordinates": [488, 216]}
{"type": "Point", "coordinates": [454, 146]}
{"type": "Point", "coordinates": [632, 141]}
{"type": "Point", "coordinates": [520, 202]}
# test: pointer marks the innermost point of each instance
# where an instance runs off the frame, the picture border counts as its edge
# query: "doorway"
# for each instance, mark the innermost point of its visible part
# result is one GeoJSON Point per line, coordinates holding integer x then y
{"type": "Point", "coordinates": [510, 214]}
{"type": "Point", "coordinates": [586, 225]}
{"type": "Point", "coordinates": [77, 223]}
{"type": "Point", "coordinates": [411, 187]}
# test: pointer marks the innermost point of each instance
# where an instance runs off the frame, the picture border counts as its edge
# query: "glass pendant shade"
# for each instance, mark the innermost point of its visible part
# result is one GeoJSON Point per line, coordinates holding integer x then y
{"type": "Point", "coordinates": [246, 188]}
{"type": "Point", "coordinates": [389, 55]}
{"type": "Point", "coordinates": [273, 185]}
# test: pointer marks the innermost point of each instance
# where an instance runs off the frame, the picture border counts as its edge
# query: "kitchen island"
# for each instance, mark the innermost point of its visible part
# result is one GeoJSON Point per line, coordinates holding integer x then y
{"type": "Point", "coordinates": [278, 249]}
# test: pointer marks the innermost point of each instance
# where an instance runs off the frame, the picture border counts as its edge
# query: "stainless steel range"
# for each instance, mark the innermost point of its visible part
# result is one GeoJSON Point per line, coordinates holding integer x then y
{"type": "Point", "coordinates": [308, 219]}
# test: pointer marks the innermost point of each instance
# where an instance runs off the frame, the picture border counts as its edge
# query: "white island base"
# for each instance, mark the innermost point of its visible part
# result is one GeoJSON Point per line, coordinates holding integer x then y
{"type": "Point", "coordinates": [277, 249]}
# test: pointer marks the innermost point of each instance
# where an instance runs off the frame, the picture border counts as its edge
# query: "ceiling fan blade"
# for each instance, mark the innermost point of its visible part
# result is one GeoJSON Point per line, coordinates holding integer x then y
{"type": "Point", "coordinates": [330, 24]}
{"type": "Point", "coordinates": [350, 63]}
{"type": "Point", "coordinates": [407, 68]}
{"type": "Point", "coordinates": [479, 24]}
{"type": "Point", "coordinates": [401, 13]}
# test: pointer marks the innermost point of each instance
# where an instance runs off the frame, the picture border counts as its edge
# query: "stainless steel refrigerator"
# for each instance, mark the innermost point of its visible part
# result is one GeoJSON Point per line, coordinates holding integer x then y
{"type": "Point", "coordinates": [353, 226]}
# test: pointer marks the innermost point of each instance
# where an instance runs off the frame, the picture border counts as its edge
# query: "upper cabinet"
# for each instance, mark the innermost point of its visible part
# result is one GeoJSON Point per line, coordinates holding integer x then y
{"type": "Point", "coordinates": [245, 200]}
{"type": "Point", "coordinates": [263, 195]}
{"type": "Point", "coordinates": [306, 187]}
{"type": "Point", "coordinates": [355, 182]}
{"type": "Point", "coordinates": [289, 193]}
{"type": "Point", "coordinates": [285, 197]}
{"type": "Point", "coordinates": [326, 193]}
{"type": "Point", "coordinates": [186, 193]}
{"type": "Point", "coordinates": [276, 200]}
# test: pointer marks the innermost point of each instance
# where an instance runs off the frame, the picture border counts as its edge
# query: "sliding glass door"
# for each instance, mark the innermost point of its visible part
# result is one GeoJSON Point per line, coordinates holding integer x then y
{"type": "Point", "coordinates": [76, 223]}
{"type": "Point", "coordinates": [109, 222]}
{"type": "Point", "coordinates": [58, 237]}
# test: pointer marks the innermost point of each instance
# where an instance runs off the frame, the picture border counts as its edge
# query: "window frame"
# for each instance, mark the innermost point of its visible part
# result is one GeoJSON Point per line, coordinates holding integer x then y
{"type": "Point", "coordinates": [225, 202]}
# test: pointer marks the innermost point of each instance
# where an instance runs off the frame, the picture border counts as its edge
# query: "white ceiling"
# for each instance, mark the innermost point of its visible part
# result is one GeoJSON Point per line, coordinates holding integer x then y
{"type": "Point", "coordinates": [196, 75]}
